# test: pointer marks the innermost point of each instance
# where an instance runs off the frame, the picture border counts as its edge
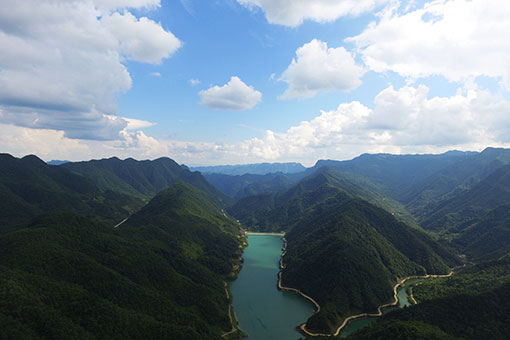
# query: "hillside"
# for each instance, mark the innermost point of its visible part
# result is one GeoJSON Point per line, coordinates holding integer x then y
{"type": "Point", "coordinates": [347, 257]}
{"type": "Point", "coordinates": [29, 187]}
{"type": "Point", "coordinates": [249, 185]}
{"type": "Point", "coordinates": [395, 173]}
{"type": "Point", "coordinates": [281, 211]}
{"type": "Point", "coordinates": [489, 238]}
{"type": "Point", "coordinates": [472, 311]}
{"type": "Point", "coordinates": [427, 196]}
{"type": "Point", "coordinates": [161, 276]}
{"type": "Point", "coordinates": [470, 205]}
{"type": "Point", "coordinates": [141, 179]}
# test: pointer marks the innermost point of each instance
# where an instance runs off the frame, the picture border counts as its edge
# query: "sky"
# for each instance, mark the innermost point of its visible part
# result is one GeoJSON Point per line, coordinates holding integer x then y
{"type": "Point", "coordinates": [208, 82]}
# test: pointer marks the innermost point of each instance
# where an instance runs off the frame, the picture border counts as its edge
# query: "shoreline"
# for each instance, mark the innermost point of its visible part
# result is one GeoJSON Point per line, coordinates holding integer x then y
{"type": "Point", "coordinates": [281, 287]}
{"type": "Point", "coordinates": [379, 309]}
{"type": "Point", "coordinates": [263, 234]}
{"type": "Point", "coordinates": [400, 282]}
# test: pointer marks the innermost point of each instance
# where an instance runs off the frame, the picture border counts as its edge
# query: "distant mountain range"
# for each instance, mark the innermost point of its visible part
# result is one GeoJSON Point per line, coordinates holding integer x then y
{"type": "Point", "coordinates": [253, 169]}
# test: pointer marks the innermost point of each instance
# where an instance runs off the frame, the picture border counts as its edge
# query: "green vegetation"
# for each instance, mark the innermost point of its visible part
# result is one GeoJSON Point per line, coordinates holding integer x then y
{"type": "Point", "coordinates": [473, 280]}
{"type": "Point", "coordinates": [141, 179]}
{"type": "Point", "coordinates": [468, 316]}
{"type": "Point", "coordinates": [64, 275]}
{"type": "Point", "coordinates": [489, 238]}
{"type": "Point", "coordinates": [400, 330]}
{"type": "Point", "coordinates": [274, 212]}
{"type": "Point", "coordinates": [29, 187]}
{"type": "Point", "coordinates": [347, 257]}
{"type": "Point", "coordinates": [472, 304]}
{"type": "Point", "coordinates": [455, 214]}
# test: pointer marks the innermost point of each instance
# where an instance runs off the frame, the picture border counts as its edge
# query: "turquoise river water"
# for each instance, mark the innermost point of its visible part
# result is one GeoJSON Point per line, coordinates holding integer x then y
{"type": "Point", "coordinates": [263, 311]}
{"type": "Point", "coordinates": [266, 313]}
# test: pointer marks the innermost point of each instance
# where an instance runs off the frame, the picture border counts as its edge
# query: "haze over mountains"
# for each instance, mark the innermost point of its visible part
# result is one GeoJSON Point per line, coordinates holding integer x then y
{"type": "Point", "coordinates": [142, 248]}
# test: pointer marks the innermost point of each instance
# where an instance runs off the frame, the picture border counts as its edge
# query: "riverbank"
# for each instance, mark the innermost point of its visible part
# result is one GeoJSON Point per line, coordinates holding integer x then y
{"type": "Point", "coordinates": [400, 282]}
{"type": "Point", "coordinates": [281, 287]}
{"type": "Point", "coordinates": [264, 234]}
{"type": "Point", "coordinates": [233, 318]}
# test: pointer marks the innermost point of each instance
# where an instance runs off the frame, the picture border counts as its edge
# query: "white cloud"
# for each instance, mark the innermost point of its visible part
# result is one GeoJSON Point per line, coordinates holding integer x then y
{"type": "Point", "coordinates": [63, 68]}
{"type": "Point", "coordinates": [319, 68]}
{"type": "Point", "coordinates": [155, 74]}
{"type": "Point", "coordinates": [135, 124]}
{"type": "Point", "coordinates": [235, 96]}
{"type": "Point", "coordinates": [119, 4]}
{"type": "Point", "coordinates": [141, 39]}
{"type": "Point", "coordinates": [294, 12]}
{"type": "Point", "coordinates": [194, 82]}
{"type": "Point", "coordinates": [403, 120]}
{"type": "Point", "coordinates": [458, 39]}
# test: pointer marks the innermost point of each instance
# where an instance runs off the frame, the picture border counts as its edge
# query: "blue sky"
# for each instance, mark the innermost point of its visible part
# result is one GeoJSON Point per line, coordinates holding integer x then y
{"type": "Point", "coordinates": [245, 81]}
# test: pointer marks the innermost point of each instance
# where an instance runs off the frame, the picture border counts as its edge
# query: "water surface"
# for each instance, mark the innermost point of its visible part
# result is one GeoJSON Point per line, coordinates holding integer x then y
{"type": "Point", "coordinates": [263, 311]}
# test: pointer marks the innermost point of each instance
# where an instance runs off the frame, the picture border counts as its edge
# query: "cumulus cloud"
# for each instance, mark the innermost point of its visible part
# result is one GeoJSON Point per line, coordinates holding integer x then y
{"type": "Point", "coordinates": [235, 96]}
{"type": "Point", "coordinates": [319, 68]}
{"type": "Point", "coordinates": [458, 39]}
{"type": "Point", "coordinates": [141, 39]}
{"type": "Point", "coordinates": [63, 68]}
{"type": "Point", "coordinates": [293, 12]}
{"type": "Point", "coordinates": [403, 120]}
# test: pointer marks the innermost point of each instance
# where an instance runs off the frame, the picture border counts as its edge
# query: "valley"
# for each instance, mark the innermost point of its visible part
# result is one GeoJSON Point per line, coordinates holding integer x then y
{"type": "Point", "coordinates": [152, 249]}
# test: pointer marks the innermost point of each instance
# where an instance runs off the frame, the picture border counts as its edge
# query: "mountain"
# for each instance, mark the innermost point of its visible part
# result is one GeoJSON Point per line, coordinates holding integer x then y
{"type": "Point", "coordinates": [159, 275]}
{"type": "Point", "coordinates": [488, 238]}
{"type": "Point", "coordinates": [254, 169]}
{"type": "Point", "coordinates": [348, 255]}
{"type": "Point", "coordinates": [241, 186]}
{"type": "Point", "coordinates": [57, 162]}
{"type": "Point", "coordinates": [423, 198]}
{"type": "Point", "coordinates": [396, 174]}
{"type": "Point", "coordinates": [470, 205]}
{"type": "Point", "coordinates": [281, 211]}
{"type": "Point", "coordinates": [29, 187]}
{"type": "Point", "coordinates": [141, 179]}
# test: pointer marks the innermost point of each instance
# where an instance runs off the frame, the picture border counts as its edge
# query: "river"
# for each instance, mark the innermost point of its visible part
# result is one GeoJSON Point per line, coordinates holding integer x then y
{"type": "Point", "coordinates": [263, 311]}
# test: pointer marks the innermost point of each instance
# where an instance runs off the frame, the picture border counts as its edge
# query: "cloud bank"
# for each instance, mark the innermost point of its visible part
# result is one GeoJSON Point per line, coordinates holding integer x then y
{"type": "Point", "coordinates": [63, 68]}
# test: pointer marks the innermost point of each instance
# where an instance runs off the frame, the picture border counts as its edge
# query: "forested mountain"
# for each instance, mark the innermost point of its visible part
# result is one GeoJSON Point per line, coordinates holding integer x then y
{"type": "Point", "coordinates": [281, 211]}
{"type": "Point", "coordinates": [249, 185]}
{"type": "Point", "coordinates": [158, 276]}
{"type": "Point", "coordinates": [347, 256]}
{"type": "Point", "coordinates": [138, 178]}
{"type": "Point", "coordinates": [488, 238]}
{"type": "Point", "coordinates": [396, 174]}
{"type": "Point", "coordinates": [470, 205]}
{"type": "Point", "coordinates": [254, 169]}
{"type": "Point", "coordinates": [425, 197]}
{"type": "Point", "coordinates": [66, 272]}
{"type": "Point", "coordinates": [29, 187]}
{"type": "Point", "coordinates": [473, 304]}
